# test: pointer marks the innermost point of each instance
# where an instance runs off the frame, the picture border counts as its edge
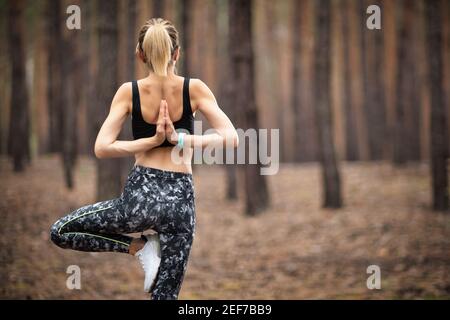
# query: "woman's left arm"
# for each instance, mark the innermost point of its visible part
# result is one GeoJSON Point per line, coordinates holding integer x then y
{"type": "Point", "coordinates": [106, 144]}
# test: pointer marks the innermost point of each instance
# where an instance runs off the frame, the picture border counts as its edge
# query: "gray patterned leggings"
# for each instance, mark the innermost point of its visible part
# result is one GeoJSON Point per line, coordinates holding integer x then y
{"type": "Point", "coordinates": [152, 199]}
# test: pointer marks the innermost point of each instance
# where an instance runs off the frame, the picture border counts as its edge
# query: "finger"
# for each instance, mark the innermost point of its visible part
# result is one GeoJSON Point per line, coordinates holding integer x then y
{"type": "Point", "coordinates": [168, 120]}
{"type": "Point", "coordinates": [161, 111]}
{"type": "Point", "coordinates": [161, 128]}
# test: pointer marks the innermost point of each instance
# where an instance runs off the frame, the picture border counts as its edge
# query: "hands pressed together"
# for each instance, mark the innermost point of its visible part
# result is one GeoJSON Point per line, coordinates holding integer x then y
{"type": "Point", "coordinates": [164, 125]}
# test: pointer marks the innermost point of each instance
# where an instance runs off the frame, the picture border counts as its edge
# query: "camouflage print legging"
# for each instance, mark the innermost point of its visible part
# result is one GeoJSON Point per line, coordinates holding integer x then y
{"type": "Point", "coordinates": [152, 199]}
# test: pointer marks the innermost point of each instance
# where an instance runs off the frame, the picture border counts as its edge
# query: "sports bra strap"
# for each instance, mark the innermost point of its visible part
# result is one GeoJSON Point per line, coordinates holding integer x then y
{"type": "Point", "coordinates": [187, 109]}
{"type": "Point", "coordinates": [136, 108]}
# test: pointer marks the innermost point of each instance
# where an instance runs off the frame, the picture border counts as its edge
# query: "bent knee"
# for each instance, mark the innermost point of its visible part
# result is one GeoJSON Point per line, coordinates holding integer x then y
{"type": "Point", "coordinates": [55, 236]}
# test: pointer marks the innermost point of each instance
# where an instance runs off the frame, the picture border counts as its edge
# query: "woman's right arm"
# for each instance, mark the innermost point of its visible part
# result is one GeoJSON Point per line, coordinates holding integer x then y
{"type": "Point", "coordinates": [225, 136]}
{"type": "Point", "coordinates": [106, 145]}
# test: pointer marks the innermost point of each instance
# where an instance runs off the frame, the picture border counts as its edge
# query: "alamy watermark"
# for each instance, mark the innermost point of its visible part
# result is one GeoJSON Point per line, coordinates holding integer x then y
{"type": "Point", "coordinates": [255, 141]}
{"type": "Point", "coordinates": [74, 279]}
{"type": "Point", "coordinates": [374, 20]}
{"type": "Point", "coordinates": [374, 280]}
{"type": "Point", "coordinates": [73, 21]}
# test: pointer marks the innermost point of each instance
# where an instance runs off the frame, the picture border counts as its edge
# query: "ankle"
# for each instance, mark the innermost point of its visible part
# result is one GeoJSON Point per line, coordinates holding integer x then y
{"type": "Point", "coordinates": [136, 245]}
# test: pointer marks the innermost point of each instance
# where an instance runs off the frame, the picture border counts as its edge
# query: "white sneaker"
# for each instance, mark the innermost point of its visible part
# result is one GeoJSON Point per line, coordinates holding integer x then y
{"type": "Point", "coordinates": [150, 258]}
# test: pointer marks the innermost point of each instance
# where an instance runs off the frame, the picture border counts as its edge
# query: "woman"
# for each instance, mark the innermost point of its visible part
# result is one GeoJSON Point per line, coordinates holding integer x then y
{"type": "Point", "coordinates": [159, 191]}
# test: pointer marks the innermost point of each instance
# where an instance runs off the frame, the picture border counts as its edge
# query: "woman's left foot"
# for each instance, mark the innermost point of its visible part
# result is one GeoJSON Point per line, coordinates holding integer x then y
{"type": "Point", "coordinates": [150, 258]}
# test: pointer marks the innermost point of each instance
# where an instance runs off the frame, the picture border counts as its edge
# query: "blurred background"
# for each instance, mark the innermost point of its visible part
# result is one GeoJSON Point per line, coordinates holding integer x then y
{"type": "Point", "coordinates": [363, 120]}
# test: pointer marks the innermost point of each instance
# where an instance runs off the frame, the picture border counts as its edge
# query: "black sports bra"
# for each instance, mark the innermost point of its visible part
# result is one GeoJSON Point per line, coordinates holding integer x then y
{"type": "Point", "coordinates": [143, 129]}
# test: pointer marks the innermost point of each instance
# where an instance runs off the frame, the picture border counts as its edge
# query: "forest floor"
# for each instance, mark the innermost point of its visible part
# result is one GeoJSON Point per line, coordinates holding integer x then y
{"type": "Point", "coordinates": [294, 250]}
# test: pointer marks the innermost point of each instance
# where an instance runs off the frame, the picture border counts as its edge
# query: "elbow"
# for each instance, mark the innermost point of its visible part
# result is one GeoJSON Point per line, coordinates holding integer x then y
{"type": "Point", "coordinates": [99, 152]}
{"type": "Point", "coordinates": [230, 139]}
{"type": "Point", "coordinates": [235, 140]}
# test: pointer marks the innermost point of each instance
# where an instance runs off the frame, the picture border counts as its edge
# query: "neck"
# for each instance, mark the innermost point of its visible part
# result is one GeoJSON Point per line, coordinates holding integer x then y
{"type": "Point", "coordinates": [170, 74]}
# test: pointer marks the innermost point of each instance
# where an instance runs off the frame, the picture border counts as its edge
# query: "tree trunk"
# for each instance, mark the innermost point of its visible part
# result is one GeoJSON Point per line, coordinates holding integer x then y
{"type": "Point", "coordinates": [108, 170]}
{"type": "Point", "coordinates": [38, 101]}
{"type": "Point", "coordinates": [272, 54]}
{"type": "Point", "coordinates": [309, 147]}
{"type": "Point", "coordinates": [19, 131]}
{"type": "Point", "coordinates": [90, 65]}
{"type": "Point", "coordinates": [330, 173]}
{"type": "Point", "coordinates": [127, 134]}
{"type": "Point", "coordinates": [298, 82]}
{"type": "Point", "coordinates": [351, 142]}
{"type": "Point", "coordinates": [71, 92]}
{"type": "Point", "coordinates": [439, 131]}
{"type": "Point", "coordinates": [54, 88]}
{"type": "Point", "coordinates": [372, 44]}
{"type": "Point", "coordinates": [375, 98]}
{"type": "Point", "coordinates": [186, 37]}
{"type": "Point", "coordinates": [413, 116]}
{"type": "Point", "coordinates": [5, 83]}
{"type": "Point", "coordinates": [158, 9]}
{"type": "Point", "coordinates": [406, 133]}
{"type": "Point", "coordinates": [225, 88]}
{"type": "Point", "coordinates": [84, 138]}
{"type": "Point", "coordinates": [131, 40]}
{"type": "Point", "coordinates": [242, 68]}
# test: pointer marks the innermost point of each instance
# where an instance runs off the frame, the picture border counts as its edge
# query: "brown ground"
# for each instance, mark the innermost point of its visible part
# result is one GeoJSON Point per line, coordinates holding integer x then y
{"type": "Point", "coordinates": [293, 251]}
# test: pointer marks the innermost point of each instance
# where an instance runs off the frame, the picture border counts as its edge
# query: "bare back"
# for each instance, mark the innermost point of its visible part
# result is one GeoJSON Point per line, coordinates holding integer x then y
{"type": "Point", "coordinates": [151, 93]}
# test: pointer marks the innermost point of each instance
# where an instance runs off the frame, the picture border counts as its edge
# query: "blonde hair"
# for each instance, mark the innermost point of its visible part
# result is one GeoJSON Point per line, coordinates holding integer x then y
{"type": "Point", "coordinates": [158, 40]}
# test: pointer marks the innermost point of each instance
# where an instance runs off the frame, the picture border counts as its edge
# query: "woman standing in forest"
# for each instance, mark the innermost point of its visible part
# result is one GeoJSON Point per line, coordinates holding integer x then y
{"type": "Point", "coordinates": [159, 191]}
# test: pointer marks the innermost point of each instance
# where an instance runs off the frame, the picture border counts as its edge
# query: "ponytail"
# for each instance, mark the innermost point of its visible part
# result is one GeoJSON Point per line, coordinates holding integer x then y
{"type": "Point", "coordinates": [157, 48]}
